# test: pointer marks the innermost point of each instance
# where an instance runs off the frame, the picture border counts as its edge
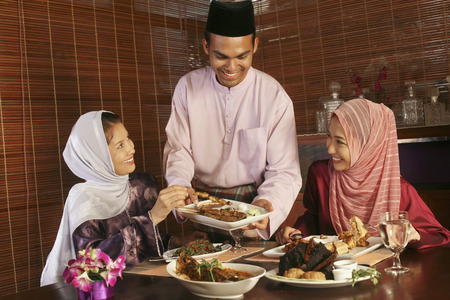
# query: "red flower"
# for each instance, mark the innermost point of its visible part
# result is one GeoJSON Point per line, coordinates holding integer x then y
{"type": "Point", "coordinates": [382, 74]}
{"type": "Point", "coordinates": [356, 79]}
{"type": "Point", "coordinates": [377, 86]}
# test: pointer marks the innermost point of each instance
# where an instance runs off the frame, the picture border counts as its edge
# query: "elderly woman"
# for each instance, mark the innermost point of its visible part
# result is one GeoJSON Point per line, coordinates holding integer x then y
{"type": "Point", "coordinates": [115, 209]}
{"type": "Point", "coordinates": [362, 179]}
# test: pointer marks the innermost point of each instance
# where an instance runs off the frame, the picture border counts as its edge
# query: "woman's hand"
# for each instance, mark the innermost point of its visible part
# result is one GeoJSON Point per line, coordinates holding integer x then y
{"type": "Point", "coordinates": [284, 235]}
{"type": "Point", "coordinates": [170, 198]}
{"type": "Point", "coordinates": [413, 235]}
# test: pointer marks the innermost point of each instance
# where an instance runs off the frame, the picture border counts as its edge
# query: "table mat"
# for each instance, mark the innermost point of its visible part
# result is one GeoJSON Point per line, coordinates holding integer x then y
{"type": "Point", "coordinates": [230, 256]}
{"type": "Point", "coordinates": [160, 270]}
{"type": "Point", "coordinates": [372, 258]}
{"type": "Point", "coordinates": [263, 258]}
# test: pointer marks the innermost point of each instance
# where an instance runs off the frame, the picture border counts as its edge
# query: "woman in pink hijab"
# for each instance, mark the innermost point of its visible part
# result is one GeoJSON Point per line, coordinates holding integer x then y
{"type": "Point", "coordinates": [362, 179]}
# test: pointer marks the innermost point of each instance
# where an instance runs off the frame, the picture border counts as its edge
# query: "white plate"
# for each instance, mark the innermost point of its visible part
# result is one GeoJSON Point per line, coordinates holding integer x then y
{"type": "Point", "coordinates": [168, 255]}
{"type": "Point", "coordinates": [275, 252]}
{"type": "Point", "coordinates": [195, 217]}
{"type": "Point", "coordinates": [374, 243]}
{"type": "Point", "coordinates": [221, 290]}
{"type": "Point", "coordinates": [308, 283]}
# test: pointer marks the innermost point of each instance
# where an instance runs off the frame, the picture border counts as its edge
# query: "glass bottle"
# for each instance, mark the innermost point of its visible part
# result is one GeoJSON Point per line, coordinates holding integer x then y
{"type": "Point", "coordinates": [364, 93]}
{"type": "Point", "coordinates": [412, 107]}
{"type": "Point", "coordinates": [434, 110]}
{"type": "Point", "coordinates": [321, 116]}
{"type": "Point", "coordinates": [335, 101]}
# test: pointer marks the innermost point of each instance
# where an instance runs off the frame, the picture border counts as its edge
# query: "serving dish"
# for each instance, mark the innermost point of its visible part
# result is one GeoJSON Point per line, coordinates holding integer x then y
{"type": "Point", "coordinates": [308, 283]}
{"type": "Point", "coordinates": [169, 255]}
{"type": "Point", "coordinates": [222, 290]}
{"type": "Point", "coordinates": [374, 243]}
{"type": "Point", "coordinates": [191, 211]}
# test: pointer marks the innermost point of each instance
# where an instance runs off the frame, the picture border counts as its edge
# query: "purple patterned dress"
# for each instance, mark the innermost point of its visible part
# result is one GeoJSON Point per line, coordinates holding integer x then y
{"type": "Point", "coordinates": [132, 232]}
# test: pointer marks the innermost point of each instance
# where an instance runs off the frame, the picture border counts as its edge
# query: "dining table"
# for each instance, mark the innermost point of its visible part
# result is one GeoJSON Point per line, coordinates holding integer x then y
{"type": "Point", "coordinates": [429, 274]}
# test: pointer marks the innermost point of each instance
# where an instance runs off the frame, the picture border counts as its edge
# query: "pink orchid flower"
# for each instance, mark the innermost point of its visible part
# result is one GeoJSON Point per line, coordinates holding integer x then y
{"type": "Point", "coordinates": [92, 265]}
{"type": "Point", "coordinates": [83, 282]}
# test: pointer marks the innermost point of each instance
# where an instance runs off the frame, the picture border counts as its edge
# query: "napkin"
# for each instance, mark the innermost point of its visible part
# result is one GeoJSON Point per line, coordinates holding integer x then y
{"type": "Point", "coordinates": [372, 258]}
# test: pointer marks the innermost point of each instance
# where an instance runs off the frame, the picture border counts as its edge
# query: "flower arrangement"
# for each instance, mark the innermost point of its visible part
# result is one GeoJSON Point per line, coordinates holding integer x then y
{"type": "Point", "coordinates": [93, 265]}
{"type": "Point", "coordinates": [381, 92]}
{"type": "Point", "coordinates": [356, 79]}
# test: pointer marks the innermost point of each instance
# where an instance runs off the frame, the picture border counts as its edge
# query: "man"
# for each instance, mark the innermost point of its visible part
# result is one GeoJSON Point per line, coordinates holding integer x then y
{"type": "Point", "coordinates": [232, 127]}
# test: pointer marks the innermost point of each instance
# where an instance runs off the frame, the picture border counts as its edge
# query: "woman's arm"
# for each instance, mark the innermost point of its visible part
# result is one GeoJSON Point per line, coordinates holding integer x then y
{"type": "Point", "coordinates": [422, 219]}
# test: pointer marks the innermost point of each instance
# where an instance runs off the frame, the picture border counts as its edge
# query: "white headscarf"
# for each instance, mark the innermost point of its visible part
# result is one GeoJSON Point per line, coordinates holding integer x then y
{"type": "Point", "coordinates": [104, 194]}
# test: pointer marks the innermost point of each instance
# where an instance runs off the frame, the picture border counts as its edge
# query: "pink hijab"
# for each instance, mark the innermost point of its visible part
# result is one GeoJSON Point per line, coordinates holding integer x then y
{"type": "Point", "coordinates": [372, 183]}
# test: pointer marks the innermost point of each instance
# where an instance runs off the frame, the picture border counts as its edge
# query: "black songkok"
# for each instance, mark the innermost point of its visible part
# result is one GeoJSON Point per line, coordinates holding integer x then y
{"type": "Point", "coordinates": [231, 18]}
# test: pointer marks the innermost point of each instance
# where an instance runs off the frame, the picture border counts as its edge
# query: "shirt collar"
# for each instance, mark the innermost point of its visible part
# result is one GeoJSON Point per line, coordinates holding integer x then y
{"type": "Point", "coordinates": [243, 85]}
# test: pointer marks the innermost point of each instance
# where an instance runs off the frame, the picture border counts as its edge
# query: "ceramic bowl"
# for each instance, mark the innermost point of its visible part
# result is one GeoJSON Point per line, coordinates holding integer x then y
{"type": "Point", "coordinates": [345, 264]}
{"type": "Point", "coordinates": [342, 274]}
{"type": "Point", "coordinates": [223, 290]}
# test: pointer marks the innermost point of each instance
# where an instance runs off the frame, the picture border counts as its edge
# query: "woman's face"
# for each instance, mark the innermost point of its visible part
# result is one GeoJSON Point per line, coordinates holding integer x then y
{"type": "Point", "coordinates": [121, 149]}
{"type": "Point", "coordinates": [337, 145]}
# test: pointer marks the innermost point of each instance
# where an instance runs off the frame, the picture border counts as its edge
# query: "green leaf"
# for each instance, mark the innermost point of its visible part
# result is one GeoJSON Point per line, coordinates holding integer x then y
{"type": "Point", "coordinates": [361, 273]}
{"type": "Point", "coordinates": [209, 267]}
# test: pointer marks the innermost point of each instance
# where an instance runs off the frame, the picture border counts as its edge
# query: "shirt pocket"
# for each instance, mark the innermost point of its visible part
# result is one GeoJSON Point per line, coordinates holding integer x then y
{"type": "Point", "coordinates": [253, 145]}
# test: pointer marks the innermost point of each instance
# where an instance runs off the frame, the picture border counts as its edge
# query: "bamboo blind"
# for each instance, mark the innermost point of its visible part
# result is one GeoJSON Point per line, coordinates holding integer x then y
{"type": "Point", "coordinates": [62, 58]}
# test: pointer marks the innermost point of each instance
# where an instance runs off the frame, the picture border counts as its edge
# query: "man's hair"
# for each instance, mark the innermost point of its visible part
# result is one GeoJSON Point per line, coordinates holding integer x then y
{"type": "Point", "coordinates": [208, 37]}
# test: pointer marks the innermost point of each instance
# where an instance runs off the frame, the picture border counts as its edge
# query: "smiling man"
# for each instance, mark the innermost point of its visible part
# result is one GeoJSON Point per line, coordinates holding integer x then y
{"type": "Point", "coordinates": [232, 130]}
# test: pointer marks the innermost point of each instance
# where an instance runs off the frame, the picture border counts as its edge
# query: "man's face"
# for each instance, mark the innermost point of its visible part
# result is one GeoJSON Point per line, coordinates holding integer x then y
{"type": "Point", "coordinates": [230, 57]}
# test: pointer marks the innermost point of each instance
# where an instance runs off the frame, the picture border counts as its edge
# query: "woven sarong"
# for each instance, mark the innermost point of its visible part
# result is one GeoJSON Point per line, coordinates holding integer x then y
{"type": "Point", "coordinates": [242, 193]}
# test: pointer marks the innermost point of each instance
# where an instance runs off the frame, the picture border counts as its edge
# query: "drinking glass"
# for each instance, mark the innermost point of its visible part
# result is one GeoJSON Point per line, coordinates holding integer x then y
{"type": "Point", "coordinates": [394, 230]}
{"type": "Point", "coordinates": [237, 235]}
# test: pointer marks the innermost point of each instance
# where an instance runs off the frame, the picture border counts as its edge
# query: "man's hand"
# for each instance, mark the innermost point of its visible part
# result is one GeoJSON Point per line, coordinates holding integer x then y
{"type": "Point", "coordinates": [261, 224]}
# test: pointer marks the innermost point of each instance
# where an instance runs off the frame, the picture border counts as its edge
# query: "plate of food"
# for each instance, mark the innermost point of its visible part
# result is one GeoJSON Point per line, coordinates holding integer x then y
{"type": "Point", "coordinates": [314, 283]}
{"type": "Point", "coordinates": [224, 214]}
{"type": "Point", "coordinates": [215, 279]}
{"type": "Point", "coordinates": [332, 242]}
{"type": "Point", "coordinates": [373, 243]}
{"type": "Point", "coordinates": [347, 245]}
{"type": "Point", "coordinates": [311, 264]}
{"type": "Point", "coordinates": [199, 249]}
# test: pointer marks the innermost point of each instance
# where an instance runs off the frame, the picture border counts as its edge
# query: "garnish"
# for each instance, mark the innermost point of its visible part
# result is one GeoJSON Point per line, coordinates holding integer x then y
{"type": "Point", "coordinates": [253, 212]}
{"type": "Point", "coordinates": [197, 248]}
{"type": "Point", "coordinates": [209, 267]}
{"type": "Point", "coordinates": [361, 273]}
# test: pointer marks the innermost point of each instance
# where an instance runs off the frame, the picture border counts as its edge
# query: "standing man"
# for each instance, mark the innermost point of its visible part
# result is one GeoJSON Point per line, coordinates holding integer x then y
{"type": "Point", "coordinates": [232, 129]}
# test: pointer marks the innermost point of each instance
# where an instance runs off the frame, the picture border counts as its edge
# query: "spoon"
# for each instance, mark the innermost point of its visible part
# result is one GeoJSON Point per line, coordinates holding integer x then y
{"type": "Point", "coordinates": [157, 258]}
{"type": "Point", "coordinates": [296, 236]}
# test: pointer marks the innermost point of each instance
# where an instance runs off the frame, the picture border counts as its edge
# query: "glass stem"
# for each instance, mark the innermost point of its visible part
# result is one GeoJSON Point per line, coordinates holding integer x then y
{"type": "Point", "coordinates": [397, 262]}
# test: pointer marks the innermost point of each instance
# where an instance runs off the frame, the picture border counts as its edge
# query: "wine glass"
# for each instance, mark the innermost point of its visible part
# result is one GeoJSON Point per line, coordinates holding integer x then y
{"type": "Point", "coordinates": [394, 230]}
{"type": "Point", "coordinates": [237, 235]}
